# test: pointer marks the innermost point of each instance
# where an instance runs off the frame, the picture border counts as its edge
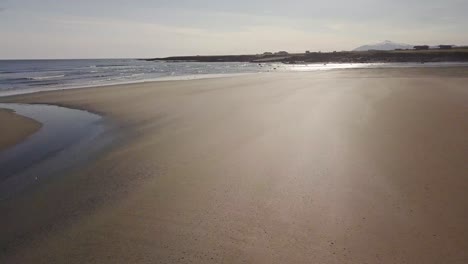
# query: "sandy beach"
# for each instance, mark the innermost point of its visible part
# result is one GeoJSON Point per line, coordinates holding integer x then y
{"type": "Point", "coordinates": [15, 128]}
{"type": "Point", "coordinates": [345, 166]}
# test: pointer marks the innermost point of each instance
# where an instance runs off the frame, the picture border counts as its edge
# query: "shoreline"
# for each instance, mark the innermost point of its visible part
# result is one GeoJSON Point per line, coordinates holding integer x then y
{"type": "Point", "coordinates": [161, 79]}
{"type": "Point", "coordinates": [306, 67]}
{"type": "Point", "coordinates": [303, 167]}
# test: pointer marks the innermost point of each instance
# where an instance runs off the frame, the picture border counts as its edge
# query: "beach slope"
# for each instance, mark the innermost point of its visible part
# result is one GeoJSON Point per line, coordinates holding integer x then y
{"type": "Point", "coordinates": [354, 166]}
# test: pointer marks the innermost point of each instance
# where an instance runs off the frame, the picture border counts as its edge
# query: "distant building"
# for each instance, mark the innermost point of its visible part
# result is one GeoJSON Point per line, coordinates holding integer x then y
{"type": "Point", "coordinates": [307, 52]}
{"type": "Point", "coordinates": [445, 46]}
{"type": "Point", "coordinates": [267, 53]}
{"type": "Point", "coordinates": [282, 53]}
{"type": "Point", "coordinates": [422, 47]}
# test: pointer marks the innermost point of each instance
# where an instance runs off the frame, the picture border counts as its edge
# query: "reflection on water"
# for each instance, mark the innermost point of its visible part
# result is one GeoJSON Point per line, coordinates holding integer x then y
{"type": "Point", "coordinates": [337, 66]}
{"type": "Point", "coordinates": [66, 137]}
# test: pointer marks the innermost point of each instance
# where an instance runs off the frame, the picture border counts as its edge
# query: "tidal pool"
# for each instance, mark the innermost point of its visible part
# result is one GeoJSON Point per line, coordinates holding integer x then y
{"type": "Point", "coordinates": [67, 137]}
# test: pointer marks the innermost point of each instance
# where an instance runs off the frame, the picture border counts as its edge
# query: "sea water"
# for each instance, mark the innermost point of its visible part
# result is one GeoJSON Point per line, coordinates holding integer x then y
{"type": "Point", "coordinates": [25, 76]}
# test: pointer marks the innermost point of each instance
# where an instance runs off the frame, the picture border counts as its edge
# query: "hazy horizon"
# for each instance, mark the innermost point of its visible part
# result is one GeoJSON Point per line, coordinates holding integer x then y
{"type": "Point", "coordinates": [54, 29]}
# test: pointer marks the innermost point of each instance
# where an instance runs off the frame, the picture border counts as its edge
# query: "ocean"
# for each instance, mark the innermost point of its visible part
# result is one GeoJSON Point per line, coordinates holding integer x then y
{"type": "Point", "coordinates": [25, 76]}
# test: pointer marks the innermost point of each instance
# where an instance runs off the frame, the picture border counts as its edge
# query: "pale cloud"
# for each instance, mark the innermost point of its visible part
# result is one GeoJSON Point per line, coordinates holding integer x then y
{"type": "Point", "coordinates": [162, 28]}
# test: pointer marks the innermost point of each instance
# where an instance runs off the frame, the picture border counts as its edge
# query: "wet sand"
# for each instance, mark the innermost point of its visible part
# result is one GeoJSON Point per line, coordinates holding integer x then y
{"type": "Point", "coordinates": [355, 166]}
{"type": "Point", "coordinates": [15, 128]}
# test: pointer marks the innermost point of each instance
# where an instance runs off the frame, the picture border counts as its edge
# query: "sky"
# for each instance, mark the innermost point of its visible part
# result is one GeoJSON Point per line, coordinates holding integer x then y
{"type": "Point", "coordinates": [52, 29]}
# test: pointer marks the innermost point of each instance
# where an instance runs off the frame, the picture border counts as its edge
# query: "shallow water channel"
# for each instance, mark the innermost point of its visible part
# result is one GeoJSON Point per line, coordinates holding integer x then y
{"type": "Point", "coordinates": [67, 137]}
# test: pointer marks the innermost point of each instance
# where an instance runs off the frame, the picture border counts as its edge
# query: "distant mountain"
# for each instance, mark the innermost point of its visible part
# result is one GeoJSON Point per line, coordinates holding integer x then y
{"type": "Point", "coordinates": [386, 45]}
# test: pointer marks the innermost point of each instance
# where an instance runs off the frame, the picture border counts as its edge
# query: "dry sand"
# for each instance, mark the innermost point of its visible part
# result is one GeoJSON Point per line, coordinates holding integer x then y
{"type": "Point", "coordinates": [15, 128]}
{"type": "Point", "coordinates": [356, 166]}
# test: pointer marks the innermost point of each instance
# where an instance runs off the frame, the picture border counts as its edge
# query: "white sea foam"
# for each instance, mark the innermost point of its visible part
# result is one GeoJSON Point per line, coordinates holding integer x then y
{"type": "Point", "coordinates": [46, 77]}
